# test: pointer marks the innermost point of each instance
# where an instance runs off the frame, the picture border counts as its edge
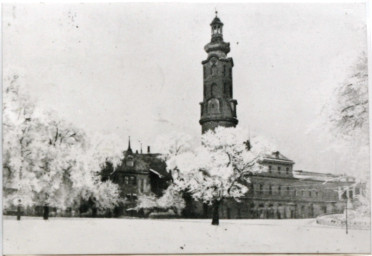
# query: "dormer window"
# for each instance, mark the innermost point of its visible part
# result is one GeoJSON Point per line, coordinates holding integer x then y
{"type": "Point", "coordinates": [129, 162]}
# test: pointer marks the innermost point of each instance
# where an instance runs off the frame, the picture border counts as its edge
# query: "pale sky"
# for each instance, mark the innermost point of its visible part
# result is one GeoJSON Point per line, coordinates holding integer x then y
{"type": "Point", "coordinates": [135, 69]}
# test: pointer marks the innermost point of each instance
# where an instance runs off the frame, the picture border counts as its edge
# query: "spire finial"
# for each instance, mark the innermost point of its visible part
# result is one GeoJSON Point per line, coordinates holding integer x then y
{"type": "Point", "coordinates": [129, 148]}
{"type": "Point", "coordinates": [215, 11]}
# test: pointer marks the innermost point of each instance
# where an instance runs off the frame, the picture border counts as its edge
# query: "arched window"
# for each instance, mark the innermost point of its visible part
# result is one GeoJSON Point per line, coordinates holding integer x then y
{"type": "Point", "coordinates": [213, 106]}
{"type": "Point", "coordinates": [214, 70]}
{"type": "Point", "coordinates": [214, 90]}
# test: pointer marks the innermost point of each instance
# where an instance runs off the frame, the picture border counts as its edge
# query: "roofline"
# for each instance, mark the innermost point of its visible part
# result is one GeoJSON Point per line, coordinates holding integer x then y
{"type": "Point", "coordinates": [277, 160]}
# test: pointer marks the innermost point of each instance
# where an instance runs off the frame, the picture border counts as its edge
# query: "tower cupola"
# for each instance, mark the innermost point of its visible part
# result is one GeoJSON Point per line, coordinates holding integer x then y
{"type": "Point", "coordinates": [216, 26]}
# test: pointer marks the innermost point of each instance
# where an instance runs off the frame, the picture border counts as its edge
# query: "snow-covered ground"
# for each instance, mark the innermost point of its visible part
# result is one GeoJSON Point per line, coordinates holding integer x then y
{"type": "Point", "coordinates": [83, 235]}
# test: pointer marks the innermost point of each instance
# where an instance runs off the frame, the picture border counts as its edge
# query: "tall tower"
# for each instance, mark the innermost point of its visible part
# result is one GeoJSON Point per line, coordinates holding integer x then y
{"type": "Point", "coordinates": [218, 107]}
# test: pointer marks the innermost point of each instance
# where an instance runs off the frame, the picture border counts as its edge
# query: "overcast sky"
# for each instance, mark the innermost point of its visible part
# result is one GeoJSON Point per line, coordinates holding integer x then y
{"type": "Point", "coordinates": [135, 69]}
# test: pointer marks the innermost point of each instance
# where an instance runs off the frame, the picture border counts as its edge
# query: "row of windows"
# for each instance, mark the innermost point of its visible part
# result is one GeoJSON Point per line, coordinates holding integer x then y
{"type": "Point", "coordinates": [128, 180]}
{"type": "Point", "coordinates": [285, 191]}
{"type": "Point", "coordinates": [279, 169]}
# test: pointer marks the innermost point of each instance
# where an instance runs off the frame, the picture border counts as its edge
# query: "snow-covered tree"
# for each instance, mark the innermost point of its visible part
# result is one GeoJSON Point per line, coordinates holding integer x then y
{"type": "Point", "coordinates": [171, 199]}
{"type": "Point", "coordinates": [345, 115]}
{"type": "Point", "coordinates": [20, 130]}
{"type": "Point", "coordinates": [48, 161]}
{"type": "Point", "coordinates": [219, 168]}
{"type": "Point", "coordinates": [348, 108]}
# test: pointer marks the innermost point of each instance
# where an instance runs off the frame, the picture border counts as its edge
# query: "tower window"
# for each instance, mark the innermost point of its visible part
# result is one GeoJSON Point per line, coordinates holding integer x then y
{"type": "Point", "coordinates": [126, 178]}
{"type": "Point", "coordinates": [270, 169]}
{"type": "Point", "coordinates": [213, 106]}
{"type": "Point", "coordinates": [214, 90]}
{"type": "Point", "coordinates": [279, 169]}
{"type": "Point", "coordinates": [226, 89]}
{"type": "Point", "coordinates": [214, 70]}
{"type": "Point", "coordinates": [287, 170]}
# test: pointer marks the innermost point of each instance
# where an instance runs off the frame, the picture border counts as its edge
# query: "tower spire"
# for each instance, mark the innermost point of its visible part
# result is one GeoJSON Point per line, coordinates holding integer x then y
{"type": "Point", "coordinates": [129, 150]}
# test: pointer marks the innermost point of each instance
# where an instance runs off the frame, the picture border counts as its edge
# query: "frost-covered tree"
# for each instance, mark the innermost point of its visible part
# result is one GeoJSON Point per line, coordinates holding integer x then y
{"type": "Point", "coordinates": [20, 129]}
{"type": "Point", "coordinates": [171, 199]}
{"type": "Point", "coordinates": [348, 109]}
{"type": "Point", "coordinates": [219, 168]}
{"type": "Point", "coordinates": [346, 116]}
{"type": "Point", "coordinates": [49, 162]}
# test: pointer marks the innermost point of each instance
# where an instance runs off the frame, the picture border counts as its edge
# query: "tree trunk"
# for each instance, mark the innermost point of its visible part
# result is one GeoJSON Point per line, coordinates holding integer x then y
{"type": "Point", "coordinates": [18, 212]}
{"type": "Point", "coordinates": [216, 217]}
{"type": "Point", "coordinates": [46, 212]}
{"type": "Point", "coordinates": [94, 212]}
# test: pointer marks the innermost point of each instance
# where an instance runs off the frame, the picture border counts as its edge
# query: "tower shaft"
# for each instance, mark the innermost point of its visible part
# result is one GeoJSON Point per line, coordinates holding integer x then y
{"type": "Point", "coordinates": [218, 107]}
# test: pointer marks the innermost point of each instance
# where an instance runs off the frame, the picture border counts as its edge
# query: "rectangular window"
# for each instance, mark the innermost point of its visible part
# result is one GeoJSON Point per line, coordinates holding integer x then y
{"type": "Point", "coordinates": [270, 169]}
{"type": "Point", "coordinates": [126, 178]}
{"type": "Point", "coordinates": [270, 190]}
{"type": "Point", "coordinates": [279, 169]}
{"type": "Point", "coordinates": [287, 170]}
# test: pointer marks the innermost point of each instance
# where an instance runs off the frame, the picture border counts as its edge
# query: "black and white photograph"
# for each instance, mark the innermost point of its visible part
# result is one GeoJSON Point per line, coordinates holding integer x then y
{"type": "Point", "coordinates": [179, 128]}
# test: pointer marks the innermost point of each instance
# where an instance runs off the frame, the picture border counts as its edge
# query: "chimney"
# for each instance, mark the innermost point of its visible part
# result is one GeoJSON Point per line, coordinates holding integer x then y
{"type": "Point", "coordinates": [148, 150]}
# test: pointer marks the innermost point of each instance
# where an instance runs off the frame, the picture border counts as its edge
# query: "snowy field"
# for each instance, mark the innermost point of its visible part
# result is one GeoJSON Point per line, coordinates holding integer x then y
{"type": "Point", "coordinates": [78, 235]}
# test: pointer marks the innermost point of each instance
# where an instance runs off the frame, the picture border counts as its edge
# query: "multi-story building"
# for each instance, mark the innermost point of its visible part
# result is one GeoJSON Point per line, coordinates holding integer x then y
{"type": "Point", "coordinates": [138, 174]}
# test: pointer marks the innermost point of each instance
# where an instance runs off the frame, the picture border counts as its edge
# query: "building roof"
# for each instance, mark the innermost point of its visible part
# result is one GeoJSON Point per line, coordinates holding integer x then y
{"type": "Point", "coordinates": [216, 21]}
{"type": "Point", "coordinates": [326, 177]}
{"type": "Point", "coordinates": [144, 163]}
{"type": "Point", "coordinates": [276, 156]}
